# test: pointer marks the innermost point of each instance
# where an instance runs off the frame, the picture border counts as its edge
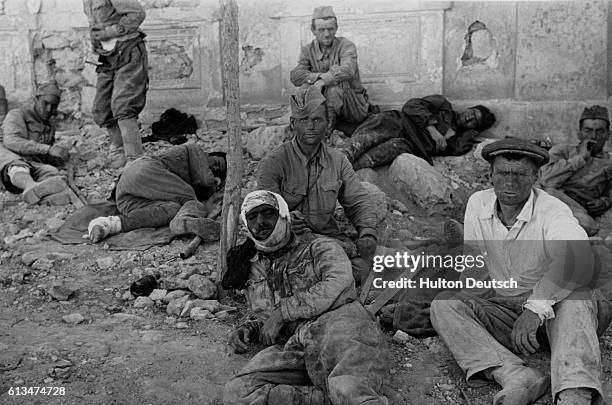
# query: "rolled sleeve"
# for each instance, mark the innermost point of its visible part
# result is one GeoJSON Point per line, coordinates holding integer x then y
{"type": "Point", "coordinates": [347, 68]}
{"type": "Point", "coordinates": [302, 73]}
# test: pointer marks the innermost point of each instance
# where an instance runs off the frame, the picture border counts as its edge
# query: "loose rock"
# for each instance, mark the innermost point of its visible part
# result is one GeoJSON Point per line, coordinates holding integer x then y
{"type": "Point", "coordinates": [175, 306]}
{"type": "Point", "coordinates": [143, 302]}
{"type": "Point", "coordinates": [74, 319]}
{"type": "Point", "coordinates": [158, 294]}
{"type": "Point", "coordinates": [202, 287]}
{"type": "Point", "coordinates": [60, 292]}
{"type": "Point", "coordinates": [105, 262]}
{"type": "Point", "coordinates": [172, 295]}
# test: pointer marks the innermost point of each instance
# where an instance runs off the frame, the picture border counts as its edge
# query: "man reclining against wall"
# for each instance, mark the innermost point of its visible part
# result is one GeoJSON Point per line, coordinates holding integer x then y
{"type": "Point", "coordinates": [324, 347]}
{"type": "Point", "coordinates": [166, 189]}
{"type": "Point", "coordinates": [29, 158]}
{"type": "Point", "coordinates": [581, 175]}
{"type": "Point", "coordinates": [312, 178]}
{"type": "Point", "coordinates": [424, 127]}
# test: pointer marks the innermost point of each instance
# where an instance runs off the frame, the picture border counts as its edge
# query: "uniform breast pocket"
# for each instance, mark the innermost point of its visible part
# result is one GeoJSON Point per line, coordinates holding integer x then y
{"type": "Point", "coordinates": [329, 195]}
{"type": "Point", "coordinates": [300, 277]}
{"type": "Point", "coordinates": [293, 194]}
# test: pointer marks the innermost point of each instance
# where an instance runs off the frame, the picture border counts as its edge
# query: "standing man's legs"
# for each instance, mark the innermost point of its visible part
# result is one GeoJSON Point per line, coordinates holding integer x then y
{"type": "Point", "coordinates": [129, 97]}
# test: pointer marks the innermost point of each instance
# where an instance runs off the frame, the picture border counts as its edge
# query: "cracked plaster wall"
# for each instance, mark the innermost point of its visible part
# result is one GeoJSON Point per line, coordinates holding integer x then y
{"type": "Point", "coordinates": [549, 60]}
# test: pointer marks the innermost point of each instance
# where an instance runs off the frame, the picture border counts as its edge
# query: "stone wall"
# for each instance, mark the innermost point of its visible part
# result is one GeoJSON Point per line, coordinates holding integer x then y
{"type": "Point", "coordinates": [535, 63]}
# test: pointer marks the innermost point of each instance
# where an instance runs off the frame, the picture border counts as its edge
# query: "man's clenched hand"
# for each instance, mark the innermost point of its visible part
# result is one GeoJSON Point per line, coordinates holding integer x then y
{"type": "Point", "coordinates": [524, 332]}
{"type": "Point", "coordinates": [271, 328]}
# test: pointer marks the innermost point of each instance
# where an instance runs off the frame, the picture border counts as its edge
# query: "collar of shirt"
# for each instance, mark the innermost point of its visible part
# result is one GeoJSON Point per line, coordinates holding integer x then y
{"type": "Point", "coordinates": [318, 53]}
{"type": "Point", "coordinates": [490, 212]}
{"type": "Point", "coordinates": [321, 156]}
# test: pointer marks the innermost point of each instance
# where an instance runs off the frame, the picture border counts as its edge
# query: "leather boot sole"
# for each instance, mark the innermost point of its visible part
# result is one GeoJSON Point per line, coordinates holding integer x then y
{"type": "Point", "coordinates": [44, 188]}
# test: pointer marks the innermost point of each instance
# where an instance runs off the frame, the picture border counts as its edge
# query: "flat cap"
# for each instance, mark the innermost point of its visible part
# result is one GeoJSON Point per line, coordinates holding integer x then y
{"type": "Point", "coordinates": [323, 12]}
{"type": "Point", "coordinates": [596, 112]}
{"type": "Point", "coordinates": [515, 147]}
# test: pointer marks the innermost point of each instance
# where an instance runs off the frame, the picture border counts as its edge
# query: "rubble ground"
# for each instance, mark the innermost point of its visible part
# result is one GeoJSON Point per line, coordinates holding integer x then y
{"type": "Point", "coordinates": [68, 319]}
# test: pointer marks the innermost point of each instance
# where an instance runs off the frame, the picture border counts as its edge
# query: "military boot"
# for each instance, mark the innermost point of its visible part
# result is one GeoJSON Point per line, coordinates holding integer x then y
{"type": "Point", "coordinates": [520, 385]}
{"type": "Point", "coordinates": [34, 191]}
{"type": "Point", "coordinates": [132, 142]}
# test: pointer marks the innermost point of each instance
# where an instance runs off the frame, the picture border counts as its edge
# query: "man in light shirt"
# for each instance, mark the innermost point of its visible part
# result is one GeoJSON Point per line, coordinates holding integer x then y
{"type": "Point", "coordinates": [525, 235]}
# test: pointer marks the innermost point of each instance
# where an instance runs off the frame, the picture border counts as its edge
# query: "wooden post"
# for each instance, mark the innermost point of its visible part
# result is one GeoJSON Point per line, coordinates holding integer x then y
{"type": "Point", "coordinates": [231, 89]}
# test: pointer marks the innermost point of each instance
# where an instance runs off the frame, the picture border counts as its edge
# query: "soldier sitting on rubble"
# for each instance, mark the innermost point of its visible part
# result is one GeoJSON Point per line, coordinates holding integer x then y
{"type": "Point", "coordinates": [29, 159]}
{"type": "Point", "coordinates": [172, 188]}
{"type": "Point", "coordinates": [323, 346]}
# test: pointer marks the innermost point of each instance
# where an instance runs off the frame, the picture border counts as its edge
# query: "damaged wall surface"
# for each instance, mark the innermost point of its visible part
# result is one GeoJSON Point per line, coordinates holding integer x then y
{"type": "Point", "coordinates": [535, 63]}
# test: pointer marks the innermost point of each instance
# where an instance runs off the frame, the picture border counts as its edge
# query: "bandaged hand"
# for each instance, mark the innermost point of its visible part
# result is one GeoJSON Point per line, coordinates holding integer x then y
{"type": "Point", "coordinates": [271, 328]}
{"type": "Point", "coordinates": [298, 223]}
{"type": "Point", "coordinates": [366, 246]}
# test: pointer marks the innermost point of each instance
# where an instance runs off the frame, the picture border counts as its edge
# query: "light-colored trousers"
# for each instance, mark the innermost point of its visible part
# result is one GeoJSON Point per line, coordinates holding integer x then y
{"type": "Point", "coordinates": [477, 331]}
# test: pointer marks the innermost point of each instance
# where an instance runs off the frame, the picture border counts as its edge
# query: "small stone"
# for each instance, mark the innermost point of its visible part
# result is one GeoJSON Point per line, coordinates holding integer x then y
{"type": "Point", "coordinates": [211, 306]}
{"type": "Point", "coordinates": [60, 292]}
{"type": "Point", "coordinates": [392, 371]}
{"type": "Point", "coordinates": [54, 223]}
{"type": "Point", "coordinates": [172, 295]}
{"type": "Point", "coordinates": [175, 306]}
{"type": "Point", "coordinates": [202, 287]}
{"type": "Point", "coordinates": [143, 302]}
{"type": "Point", "coordinates": [446, 387]}
{"type": "Point", "coordinates": [28, 258]}
{"type": "Point", "coordinates": [158, 294]}
{"type": "Point", "coordinates": [62, 364]}
{"type": "Point", "coordinates": [74, 319]}
{"type": "Point", "coordinates": [223, 314]}
{"type": "Point", "coordinates": [200, 314]}
{"type": "Point", "coordinates": [396, 212]}
{"type": "Point", "coordinates": [189, 305]}
{"type": "Point", "coordinates": [104, 262]}
{"type": "Point", "coordinates": [401, 337]}
{"type": "Point", "coordinates": [181, 325]}
{"type": "Point", "coordinates": [127, 296]}
{"type": "Point", "coordinates": [408, 365]}
{"type": "Point", "coordinates": [19, 381]}
{"type": "Point", "coordinates": [43, 264]}
{"type": "Point", "coordinates": [48, 380]}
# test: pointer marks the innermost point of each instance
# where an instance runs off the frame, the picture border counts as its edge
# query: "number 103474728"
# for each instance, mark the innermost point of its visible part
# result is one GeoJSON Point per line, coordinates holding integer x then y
{"type": "Point", "coordinates": [25, 391]}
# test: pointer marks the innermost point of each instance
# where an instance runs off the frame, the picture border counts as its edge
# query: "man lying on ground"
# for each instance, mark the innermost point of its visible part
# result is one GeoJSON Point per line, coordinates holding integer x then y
{"type": "Point", "coordinates": [312, 177]}
{"type": "Point", "coordinates": [581, 175]}
{"type": "Point", "coordinates": [527, 237]}
{"type": "Point", "coordinates": [29, 159]}
{"type": "Point", "coordinates": [324, 347]}
{"type": "Point", "coordinates": [424, 127]}
{"type": "Point", "coordinates": [171, 188]}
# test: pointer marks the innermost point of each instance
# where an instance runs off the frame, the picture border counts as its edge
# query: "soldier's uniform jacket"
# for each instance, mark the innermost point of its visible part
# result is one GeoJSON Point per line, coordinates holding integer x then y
{"type": "Point", "coordinates": [118, 19]}
{"type": "Point", "coordinates": [306, 278]}
{"type": "Point", "coordinates": [26, 136]}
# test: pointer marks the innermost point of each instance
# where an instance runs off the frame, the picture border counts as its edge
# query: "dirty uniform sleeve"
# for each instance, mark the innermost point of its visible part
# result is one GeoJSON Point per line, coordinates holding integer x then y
{"type": "Point", "coordinates": [132, 15]}
{"type": "Point", "coordinates": [356, 201]}
{"type": "Point", "coordinates": [16, 136]}
{"type": "Point", "coordinates": [268, 174]}
{"type": "Point", "coordinates": [347, 68]}
{"type": "Point", "coordinates": [563, 237]}
{"type": "Point", "coordinates": [303, 73]}
{"type": "Point", "coordinates": [560, 168]}
{"type": "Point", "coordinates": [336, 277]}
{"type": "Point", "coordinates": [423, 112]}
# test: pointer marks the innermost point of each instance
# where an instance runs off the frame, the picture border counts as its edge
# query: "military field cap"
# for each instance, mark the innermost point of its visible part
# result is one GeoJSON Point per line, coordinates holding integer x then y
{"type": "Point", "coordinates": [48, 89]}
{"type": "Point", "coordinates": [306, 101]}
{"type": "Point", "coordinates": [515, 147]}
{"type": "Point", "coordinates": [323, 12]}
{"type": "Point", "coordinates": [596, 112]}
